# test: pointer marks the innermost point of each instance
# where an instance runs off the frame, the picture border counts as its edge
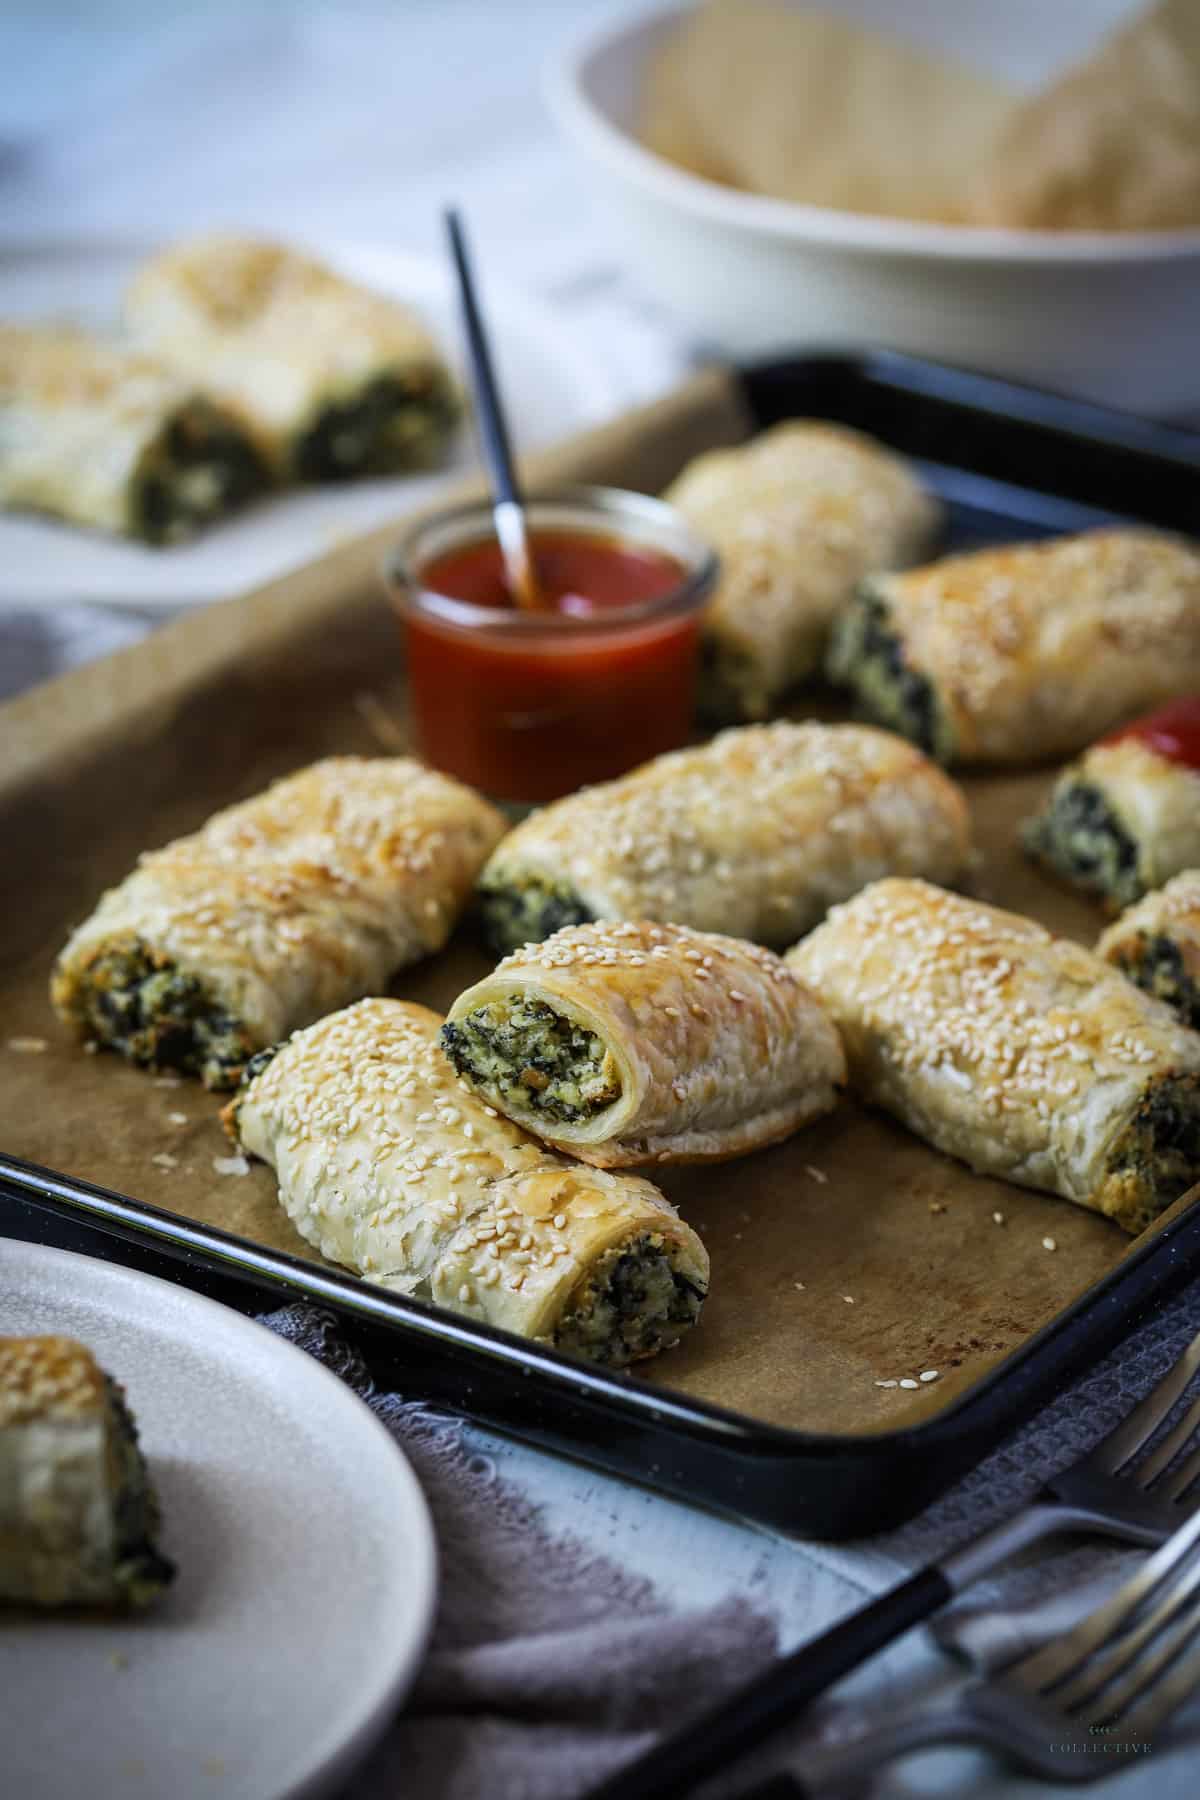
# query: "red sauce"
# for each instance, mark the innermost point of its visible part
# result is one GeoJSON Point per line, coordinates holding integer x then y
{"type": "Point", "coordinates": [530, 715]}
{"type": "Point", "coordinates": [1173, 732]}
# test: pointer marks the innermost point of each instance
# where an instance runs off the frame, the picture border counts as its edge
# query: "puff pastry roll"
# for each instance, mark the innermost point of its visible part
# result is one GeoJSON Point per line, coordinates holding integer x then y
{"type": "Point", "coordinates": [78, 1513]}
{"type": "Point", "coordinates": [1157, 944]}
{"type": "Point", "coordinates": [797, 516]}
{"type": "Point", "coordinates": [274, 912]}
{"type": "Point", "coordinates": [1016, 655]}
{"type": "Point", "coordinates": [1126, 816]}
{"type": "Point", "coordinates": [634, 1043]}
{"type": "Point", "coordinates": [1025, 1055]}
{"type": "Point", "coordinates": [115, 440]}
{"type": "Point", "coordinates": [753, 834]}
{"type": "Point", "coordinates": [391, 1166]}
{"type": "Point", "coordinates": [335, 379]}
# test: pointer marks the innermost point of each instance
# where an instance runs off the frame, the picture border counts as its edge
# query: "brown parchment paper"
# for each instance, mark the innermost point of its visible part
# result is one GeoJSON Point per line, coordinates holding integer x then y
{"type": "Point", "coordinates": [849, 1255]}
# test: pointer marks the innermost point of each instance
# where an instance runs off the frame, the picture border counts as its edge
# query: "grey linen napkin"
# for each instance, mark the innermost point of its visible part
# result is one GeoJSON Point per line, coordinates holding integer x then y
{"type": "Point", "coordinates": [549, 1665]}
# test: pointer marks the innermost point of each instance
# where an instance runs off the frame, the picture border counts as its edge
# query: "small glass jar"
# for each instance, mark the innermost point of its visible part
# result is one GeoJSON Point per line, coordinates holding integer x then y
{"type": "Point", "coordinates": [526, 706]}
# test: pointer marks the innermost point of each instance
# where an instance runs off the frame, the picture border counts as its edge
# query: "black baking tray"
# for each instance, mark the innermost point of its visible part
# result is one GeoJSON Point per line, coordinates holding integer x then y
{"type": "Point", "coordinates": [1010, 463]}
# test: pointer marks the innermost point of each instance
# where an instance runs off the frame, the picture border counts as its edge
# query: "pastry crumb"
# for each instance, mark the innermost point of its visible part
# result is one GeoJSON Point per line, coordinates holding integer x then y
{"type": "Point", "coordinates": [888, 1384]}
{"type": "Point", "coordinates": [231, 1165]}
{"type": "Point", "coordinates": [799, 1286]}
{"type": "Point", "coordinates": [91, 1048]}
{"type": "Point", "coordinates": [815, 1174]}
{"type": "Point", "coordinates": [937, 1206]}
{"type": "Point", "coordinates": [28, 1046]}
{"type": "Point", "coordinates": [998, 1217]}
{"type": "Point", "coordinates": [177, 1118]}
{"type": "Point", "coordinates": [165, 1160]}
{"type": "Point", "coordinates": [167, 1081]}
{"type": "Point", "coordinates": [849, 1299]}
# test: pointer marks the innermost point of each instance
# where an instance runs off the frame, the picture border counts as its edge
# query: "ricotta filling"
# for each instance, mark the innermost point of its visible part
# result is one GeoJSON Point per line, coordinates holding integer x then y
{"type": "Point", "coordinates": [1081, 837]}
{"type": "Point", "coordinates": [1156, 964]}
{"type": "Point", "coordinates": [199, 468]}
{"type": "Point", "coordinates": [396, 421]}
{"type": "Point", "coordinates": [1161, 1147]}
{"type": "Point", "coordinates": [532, 1061]}
{"type": "Point", "coordinates": [145, 1007]}
{"type": "Point", "coordinates": [526, 909]}
{"type": "Point", "coordinates": [633, 1304]}
{"type": "Point", "coordinates": [867, 655]}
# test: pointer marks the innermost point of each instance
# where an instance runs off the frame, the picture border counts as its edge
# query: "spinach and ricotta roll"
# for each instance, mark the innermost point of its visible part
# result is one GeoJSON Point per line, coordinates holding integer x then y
{"type": "Point", "coordinates": [115, 440]}
{"type": "Point", "coordinates": [1021, 654]}
{"type": "Point", "coordinates": [1157, 944]}
{"type": "Point", "coordinates": [78, 1513]}
{"type": "Point", "coordinates": [334, 379]}
{"type": "Point", "coordinates": [277, 910]}
{"type": "Point", "coordinates": [1025, 1055]}
{"type": "Point", "coordinates": [635, 1043]}
{"type": "Point", "coordinates": [391, 1166]}
{"type": "Point", "coordinates": [797, 517]}
{"type": "Point", "coordinates": [1125, 817]}
{"type": "Point", "coordinates": [754, 834]}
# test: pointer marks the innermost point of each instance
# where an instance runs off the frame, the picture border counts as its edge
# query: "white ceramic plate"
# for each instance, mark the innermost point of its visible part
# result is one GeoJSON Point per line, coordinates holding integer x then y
{"type": "Point", "coordinates": [305, 1558]}
{"type": "Point", "coordinates": [554, 383]}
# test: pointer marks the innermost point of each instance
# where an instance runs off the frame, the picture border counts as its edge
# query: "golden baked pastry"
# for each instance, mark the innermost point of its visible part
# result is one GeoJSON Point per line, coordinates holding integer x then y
{"type": "Point", "coordinates": [1023, 1054]}
{"type": "Point", "coordinates": [634, 1043]}
{"type": "Point", "coordinates": [277, 910]}
{"type": "Point", "coordinates": [391, 1166]}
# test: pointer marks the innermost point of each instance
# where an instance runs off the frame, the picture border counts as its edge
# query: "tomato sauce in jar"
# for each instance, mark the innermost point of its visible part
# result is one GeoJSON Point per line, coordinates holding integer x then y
{"type": "Point", "coordinates": [529, 705]}
{"type": "Point", "coordinates": [1173, 732]}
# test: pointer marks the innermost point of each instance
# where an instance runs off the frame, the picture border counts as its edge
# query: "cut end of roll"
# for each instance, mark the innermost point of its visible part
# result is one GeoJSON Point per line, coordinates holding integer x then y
{"type": "Point", "coordinates": [636, 1301]}
{"type": "Point", "coordinates": [536, 1065]}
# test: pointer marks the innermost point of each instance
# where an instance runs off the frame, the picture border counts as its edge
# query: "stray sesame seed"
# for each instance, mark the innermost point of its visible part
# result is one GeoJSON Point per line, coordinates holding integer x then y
{"type": "Point", "coordinates": [817, 1175]}
{"type": "Point", "coordinates": [998, 1217]}
{"type": "Point", "coordinates": [887, 1384]}
{"type": "Point", "coordinates": [906, 1381]}
{"type": "Point", "coordinates": [930, 1374]}
{"type": "Point", "coordinates": [1049, 1243]}
{"type": "Point", "coordinates": [849, 1299]}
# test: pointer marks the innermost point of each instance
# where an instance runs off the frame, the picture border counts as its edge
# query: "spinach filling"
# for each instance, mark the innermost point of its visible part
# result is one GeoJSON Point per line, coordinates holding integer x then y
{"type": "Point", "coordinates": [201, 468]}
{"type": "Point", "coordinates": [867, 656]}
{"type": "Point", "coordinates": [525, 914]}
{"type": "Point", "coordinates": [140, 1569]}
{"type": "Point", "coordinates": [394, 422]}
{"type": "Point", "coordinates": [634, 1304]}
{"type": "Point", "coordinates": [1081, 836]}
{"type": "Point", "coordinates": [1157, 965]}
{"type": "Point", "coordinates": [531, 1060]}
{"type": "Point", "coordinates": [728, 687]}
{"type": "Point", "coordinates": [154, 1014]}
{"type": "Point", "coordinates": [1161, 1147]}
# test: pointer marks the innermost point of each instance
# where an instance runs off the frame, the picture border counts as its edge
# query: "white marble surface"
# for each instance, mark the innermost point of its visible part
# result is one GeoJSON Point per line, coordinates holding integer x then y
{"type": "Point", "coordinates": [140, 116]}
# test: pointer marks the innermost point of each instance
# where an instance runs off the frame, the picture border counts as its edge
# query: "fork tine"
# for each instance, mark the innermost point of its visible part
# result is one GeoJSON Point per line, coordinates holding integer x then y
{"type": "Point", "coordinates": [1156, 1707]}
{"type": "Point", "coordinates": [1114, 1451]}
{"type": "Point", "coordinates": [1100, 1686]}
{"type": "Point", "coordinates": [1166, 1451]}
{"type": "Point", "coordinates": [1064, 1657]}
{"type": "Point", "coordinates": [1123, 1696]}
{"type": "Point", "coordinates": [1181, 1479]}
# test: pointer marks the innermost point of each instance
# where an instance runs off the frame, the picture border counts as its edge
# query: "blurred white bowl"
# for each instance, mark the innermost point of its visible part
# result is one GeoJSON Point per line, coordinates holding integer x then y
{"type": "Point", "coordinates": [1107, 316]}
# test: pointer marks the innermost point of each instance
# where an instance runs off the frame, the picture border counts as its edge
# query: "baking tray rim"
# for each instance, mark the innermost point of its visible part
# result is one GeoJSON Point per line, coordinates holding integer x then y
{"type": "Point", "coordinates": [228, 1254]}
